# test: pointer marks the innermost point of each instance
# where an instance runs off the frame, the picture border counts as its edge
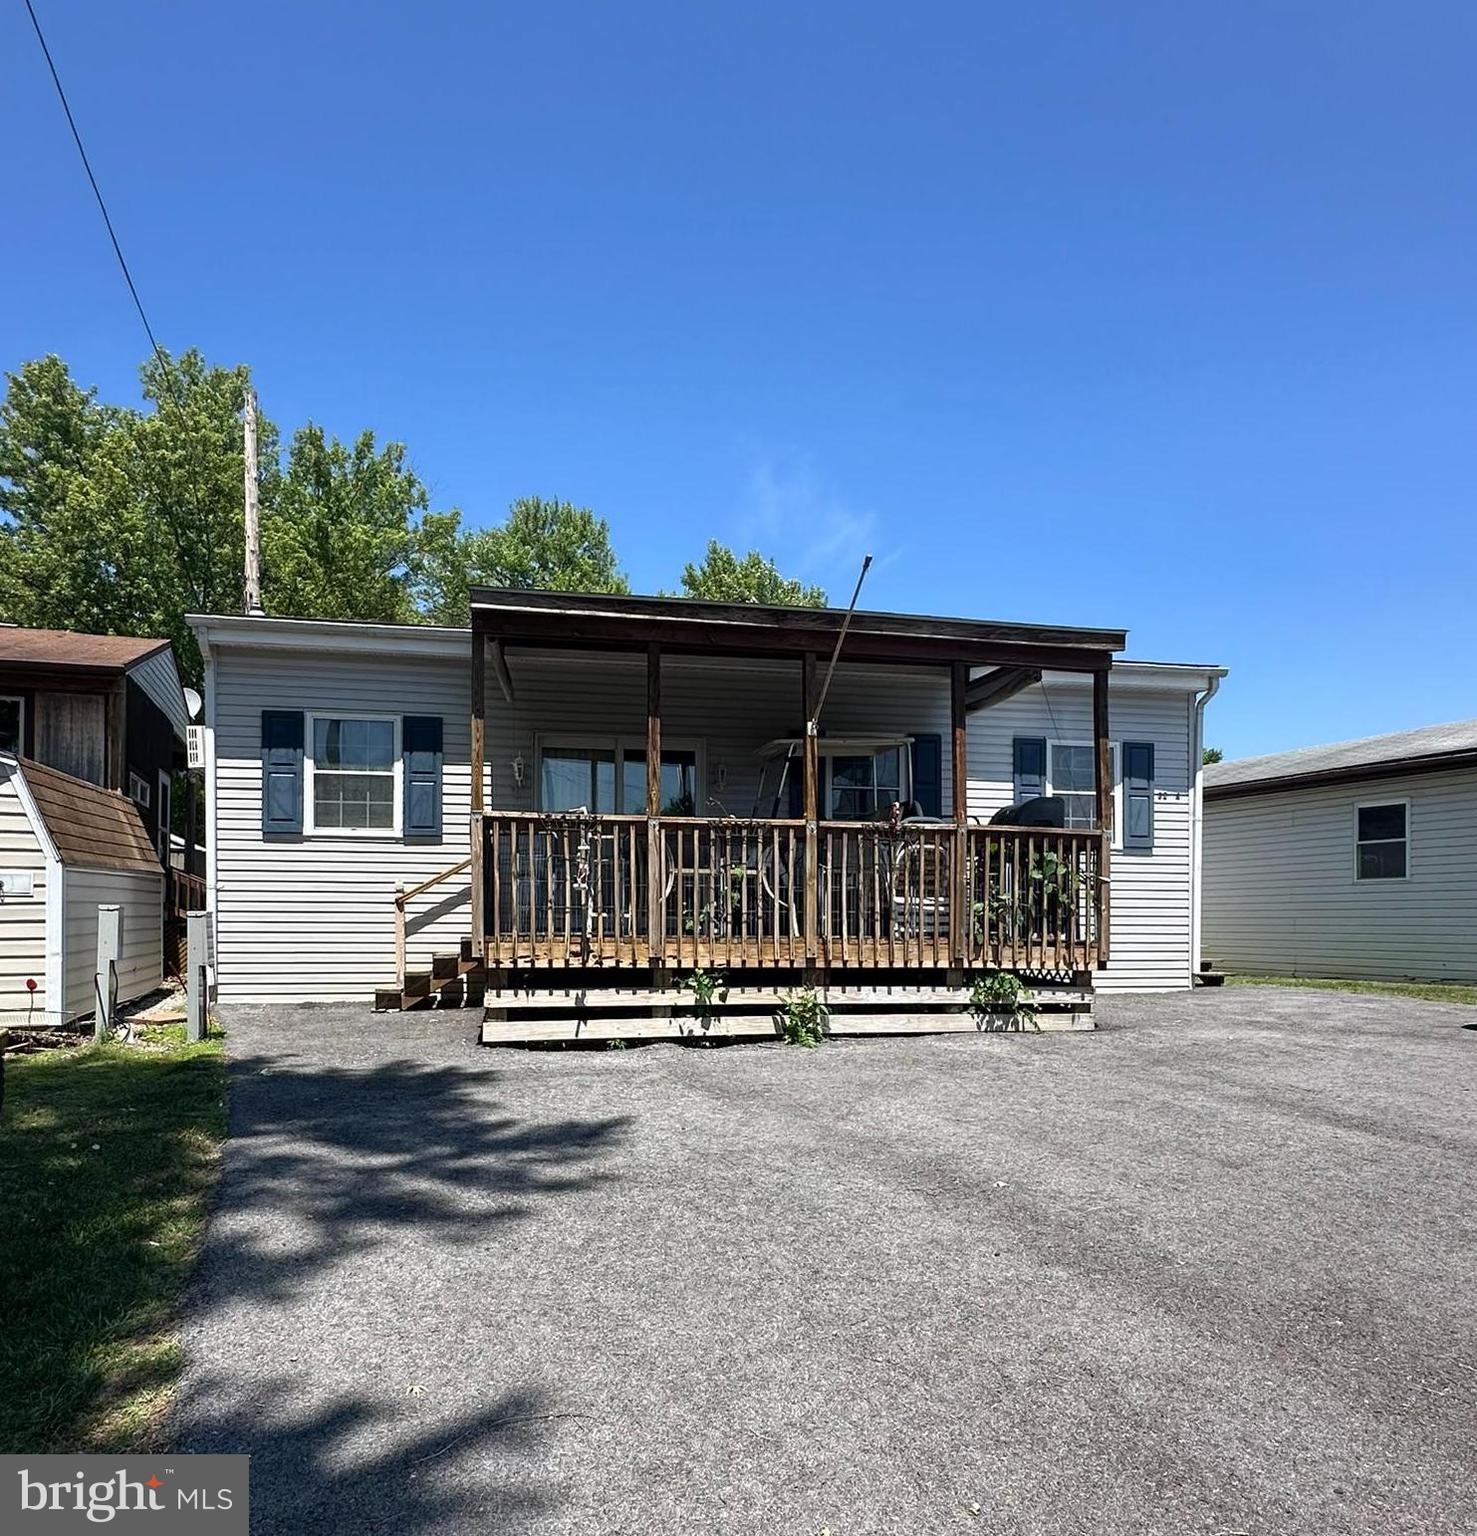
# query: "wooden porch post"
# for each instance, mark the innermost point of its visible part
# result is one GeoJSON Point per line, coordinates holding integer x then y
{"type": "Point", "coordinates": [1102, 737]}
{"type": "Point", "coordinates": [811, 773]}
{"type": "Point", "coordinates": [959, 892]}
{"type": "Point", "coordinates": [476, 826]}
{"type": "Point", "coordinates": [655, 878]}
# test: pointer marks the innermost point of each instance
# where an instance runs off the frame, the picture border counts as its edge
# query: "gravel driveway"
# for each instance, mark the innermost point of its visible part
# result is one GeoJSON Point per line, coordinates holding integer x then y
{"type": "Point", "coordinates": [1212, 1269]}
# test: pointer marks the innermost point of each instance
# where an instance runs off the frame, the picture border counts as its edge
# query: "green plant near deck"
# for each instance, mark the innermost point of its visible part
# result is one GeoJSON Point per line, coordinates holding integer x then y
{"type": "Point", "coordinates": [707, 988]}
{"type": "Point", "coordinates": [999, 994]}
{"type": "Point", "coordinates": [804, 1019]}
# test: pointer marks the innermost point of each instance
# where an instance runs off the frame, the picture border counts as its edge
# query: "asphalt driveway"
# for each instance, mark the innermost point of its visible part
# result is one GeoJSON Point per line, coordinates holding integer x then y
{"type": "Point", "coordinates": [1211, 1269]}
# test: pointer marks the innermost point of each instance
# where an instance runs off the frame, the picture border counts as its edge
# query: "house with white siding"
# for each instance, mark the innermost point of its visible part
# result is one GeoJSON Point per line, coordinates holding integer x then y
{"type": "Point", "coordinates": [1356, 859]}
{"type": "Point", "coordinates": [567, 810]}
{"type": "Point", "coordinates": [68, 847]}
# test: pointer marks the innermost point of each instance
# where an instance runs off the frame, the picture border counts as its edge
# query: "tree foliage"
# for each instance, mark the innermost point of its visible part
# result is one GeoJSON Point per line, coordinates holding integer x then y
{"type": "Point", "coordinates": [124, 519]}
{"type": "Point", "coordinates": [553, 546]}
{"type": "Point", "coordinates": [723, 577]}
{"type": "Point", "coordinates": [1211, 755]}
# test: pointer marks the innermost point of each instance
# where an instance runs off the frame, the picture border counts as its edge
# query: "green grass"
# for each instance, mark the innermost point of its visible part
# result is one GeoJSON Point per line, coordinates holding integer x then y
{"type": "Point", "coordinates": [1431, 991]}
{"type": "Point", "coordinates": [108, 1156]}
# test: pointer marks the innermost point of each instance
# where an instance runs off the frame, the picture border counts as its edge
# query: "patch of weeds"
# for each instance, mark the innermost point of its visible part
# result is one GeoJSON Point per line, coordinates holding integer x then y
{"type": "Point", "coordinates": [1427, 991]}
{"type": "Point", "coordinates": [999, 996]}
{"type": "Point", "coordinates": [804, 1019]}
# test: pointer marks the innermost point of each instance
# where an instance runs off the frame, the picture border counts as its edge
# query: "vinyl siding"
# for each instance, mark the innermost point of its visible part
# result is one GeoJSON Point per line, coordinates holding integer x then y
{"type": "Point", "coordinates": [1150, 890]}
{"type": "Point", "coordinates": [1280, 897]}
{"type": "Point", "coordinates": [310, 918]}
{"type": "Point", "coordinates": [141, 967]}
{"type": "Point", "coordinates": [23, 918]}
{"type": "Point", "coordinates": [159, 678]}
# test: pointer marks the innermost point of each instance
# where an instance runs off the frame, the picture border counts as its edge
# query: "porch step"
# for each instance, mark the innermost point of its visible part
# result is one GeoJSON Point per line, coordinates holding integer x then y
{"type": "Point", "coordinates": [453, 980]}
{"type": "Point", "coordinates": [1207, 978]}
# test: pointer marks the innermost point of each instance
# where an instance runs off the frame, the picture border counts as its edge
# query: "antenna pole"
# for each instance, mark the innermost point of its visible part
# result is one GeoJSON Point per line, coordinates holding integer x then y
{"type": "Point", "coordinates": [812, 725]}
{"type": "Point", "coordinates": [253, 571]}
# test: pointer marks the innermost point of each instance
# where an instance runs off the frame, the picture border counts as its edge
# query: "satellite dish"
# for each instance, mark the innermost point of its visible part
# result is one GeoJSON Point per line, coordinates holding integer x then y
{"type": "Point", "coordinates": [193, 701]}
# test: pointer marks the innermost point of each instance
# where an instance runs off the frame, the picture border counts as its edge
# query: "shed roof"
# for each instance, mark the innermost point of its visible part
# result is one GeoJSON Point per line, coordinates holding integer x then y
{"type": "Point", "coordinates": [1428, 748]}
{"type": "Point", "coordinates": [68, 649]}
{"type": "Point", "coordinates": [92, 828]}
{"type": "Point", "coordinates": [578, 618]}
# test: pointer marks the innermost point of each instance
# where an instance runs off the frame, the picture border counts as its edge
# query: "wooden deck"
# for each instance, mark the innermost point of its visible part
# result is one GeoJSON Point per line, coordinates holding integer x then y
{"type": "Point", "coordinates": [684, 893]}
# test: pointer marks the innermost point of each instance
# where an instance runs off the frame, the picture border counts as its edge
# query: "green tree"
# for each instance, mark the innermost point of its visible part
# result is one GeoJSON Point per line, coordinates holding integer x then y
{"type": "Point", "coordinates": [724, 578]}
{"type": "Point", "coordinates": [1211, 755]}
{"type": "Point", "coordinates": [553, 546]}
{"type": "Point", "coordinates": [120, 520]}
{"type": "Point", "coordinates": [339, 531]}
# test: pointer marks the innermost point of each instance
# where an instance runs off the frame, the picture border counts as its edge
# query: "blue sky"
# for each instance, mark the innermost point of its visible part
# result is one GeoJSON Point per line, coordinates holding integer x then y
{"type": "Point", "coordinates": [1153, 315]}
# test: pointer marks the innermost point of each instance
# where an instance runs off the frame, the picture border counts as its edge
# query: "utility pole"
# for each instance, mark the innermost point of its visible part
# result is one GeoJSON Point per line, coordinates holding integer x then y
{"type": "Point", "coordinates": [253, 522]}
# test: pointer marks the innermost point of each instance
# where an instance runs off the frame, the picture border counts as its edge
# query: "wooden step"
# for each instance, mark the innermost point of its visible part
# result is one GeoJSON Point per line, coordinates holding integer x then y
{"type": "Point", "coordinates": [1206, 978]}
{"type": "Point", "coordinates": [761, 1026]}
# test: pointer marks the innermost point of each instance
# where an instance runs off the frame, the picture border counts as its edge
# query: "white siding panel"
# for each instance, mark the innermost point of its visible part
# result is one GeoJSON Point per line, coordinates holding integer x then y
{"type": "Point", "coordinates": [1280, 897]}
{"type": "Point", "coordinates": [1150, 900]}
{"type": "Point", "coordinates": [141, 966]}
{"type": "Point", "coordinates": [159, 678]}
{"type": "Point", "coordinates": [311, 918]}
{"type": "Point", "coordinates": [22, 918]}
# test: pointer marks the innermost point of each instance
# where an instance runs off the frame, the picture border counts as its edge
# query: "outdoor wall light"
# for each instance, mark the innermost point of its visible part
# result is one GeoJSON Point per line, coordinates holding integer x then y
{"type": "Point", "coordinates": [519, 771]}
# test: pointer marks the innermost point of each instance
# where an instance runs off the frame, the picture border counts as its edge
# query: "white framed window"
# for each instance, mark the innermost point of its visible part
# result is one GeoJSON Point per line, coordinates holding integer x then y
{"type": "Point", "coordinates": [1071, 772]}
{"type": "Point", "coordinates": [138, 790]}
{"type": "Point", "coordinates": [1382, 840]}
{"type": "Point", "coordinates": [861, 786]}
{"type": "Point", "coordinates": [166, 810]}
{"type": "Point", "coordinates": [608, 775]}
{"type": "Point", "coordinates": [351, 775]}
{"type": "Point", "coordinates": [12, 723]}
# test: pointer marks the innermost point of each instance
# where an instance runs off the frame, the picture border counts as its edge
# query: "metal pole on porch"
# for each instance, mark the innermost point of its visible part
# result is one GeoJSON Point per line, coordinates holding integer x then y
{"type": "Point", "coordinates": [655, 873]}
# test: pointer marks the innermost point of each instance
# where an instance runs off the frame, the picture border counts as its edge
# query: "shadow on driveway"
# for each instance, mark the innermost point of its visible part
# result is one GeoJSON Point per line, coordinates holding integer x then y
{"type": "Point", "coordinates": [349, 1198]}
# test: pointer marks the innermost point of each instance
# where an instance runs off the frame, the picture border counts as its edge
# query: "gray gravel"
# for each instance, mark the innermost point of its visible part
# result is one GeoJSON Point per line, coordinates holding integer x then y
{"type": "Point", "coordinates": [1211, 1269]}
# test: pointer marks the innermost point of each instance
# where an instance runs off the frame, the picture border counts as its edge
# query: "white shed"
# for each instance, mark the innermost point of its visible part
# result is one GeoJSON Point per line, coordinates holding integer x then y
{"type": "Point", "coordinates": [66, 848]}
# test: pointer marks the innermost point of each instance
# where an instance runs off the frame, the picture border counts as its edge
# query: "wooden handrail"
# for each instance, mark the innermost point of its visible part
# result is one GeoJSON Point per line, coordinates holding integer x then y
{"type": "Point", "coordinates": [402, 896]}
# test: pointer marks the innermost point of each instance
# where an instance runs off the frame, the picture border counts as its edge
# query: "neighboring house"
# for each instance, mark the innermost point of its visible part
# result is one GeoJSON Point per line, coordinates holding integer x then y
{"type": "Point", "coordinates": [105, 708]}
{"type": "Point", "coordinates": [66, 848]}
{"type": "Point", "coordinates": [641, 806]}
{"type": "Point", "coordinates": [1357, 859]}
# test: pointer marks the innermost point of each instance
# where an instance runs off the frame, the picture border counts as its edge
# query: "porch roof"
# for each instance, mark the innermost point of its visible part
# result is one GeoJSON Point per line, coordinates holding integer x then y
{"type": "Point", "coordinates": [743, 629]}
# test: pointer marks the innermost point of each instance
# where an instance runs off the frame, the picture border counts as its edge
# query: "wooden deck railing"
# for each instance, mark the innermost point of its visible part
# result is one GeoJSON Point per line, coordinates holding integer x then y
{"type": "Point", "coordinates": [689, 892]}
{"type": "Point", "coordinates": [186, 892]}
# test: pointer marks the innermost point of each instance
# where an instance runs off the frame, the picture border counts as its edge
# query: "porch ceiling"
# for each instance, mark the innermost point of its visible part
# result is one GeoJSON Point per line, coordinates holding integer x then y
{"type": "Point", "coordinates": [687, 625]}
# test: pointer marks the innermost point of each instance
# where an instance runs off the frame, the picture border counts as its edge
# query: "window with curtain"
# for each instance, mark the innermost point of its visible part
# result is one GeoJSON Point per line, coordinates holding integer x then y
{"type": "Point", "coordinates": [577, 778]}
{"type": "Point", "coordinates": [1071, 772]}
{"type": "Point", "coordinates": [353, 771]}
{"type": "Point", "coordinates": [679, 783]}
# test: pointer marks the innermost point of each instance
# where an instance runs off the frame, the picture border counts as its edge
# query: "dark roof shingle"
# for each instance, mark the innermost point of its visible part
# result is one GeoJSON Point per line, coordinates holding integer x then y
{"type": "Point", "coordinates": [1345, 759]}
{"type": "Point", "coordinates": [92, 828]}
{"type": "Point", "coordinates": [66, 648]}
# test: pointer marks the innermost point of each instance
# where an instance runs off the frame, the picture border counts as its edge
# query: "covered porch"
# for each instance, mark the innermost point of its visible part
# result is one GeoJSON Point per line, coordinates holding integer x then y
{"type": "Point", "coordinates": [842, 852]}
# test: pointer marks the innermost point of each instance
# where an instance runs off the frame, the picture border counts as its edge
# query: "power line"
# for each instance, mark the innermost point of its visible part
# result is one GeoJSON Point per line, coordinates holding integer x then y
{"type": "Point", "coordinates": [56, 80]}
{"type": "Point", "coordinates": [170, 373]}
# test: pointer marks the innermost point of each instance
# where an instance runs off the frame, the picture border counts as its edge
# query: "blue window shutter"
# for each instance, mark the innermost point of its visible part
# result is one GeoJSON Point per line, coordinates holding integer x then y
{"type": "Point", "coordinates": [928, 773]}
{"type": "Point", "coordinates": [1029, 762]}
{"type": "Point", "coordinates": [282, 771]}
{"type": "Point", "coordinates": [1138, 794]}
{"type": "Point", "coordinates": [420, 745]}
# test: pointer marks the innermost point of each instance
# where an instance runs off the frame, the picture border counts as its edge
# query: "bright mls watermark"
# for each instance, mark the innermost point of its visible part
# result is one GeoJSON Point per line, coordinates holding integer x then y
{"type": "Point", "coordinates": [207, 1495]}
